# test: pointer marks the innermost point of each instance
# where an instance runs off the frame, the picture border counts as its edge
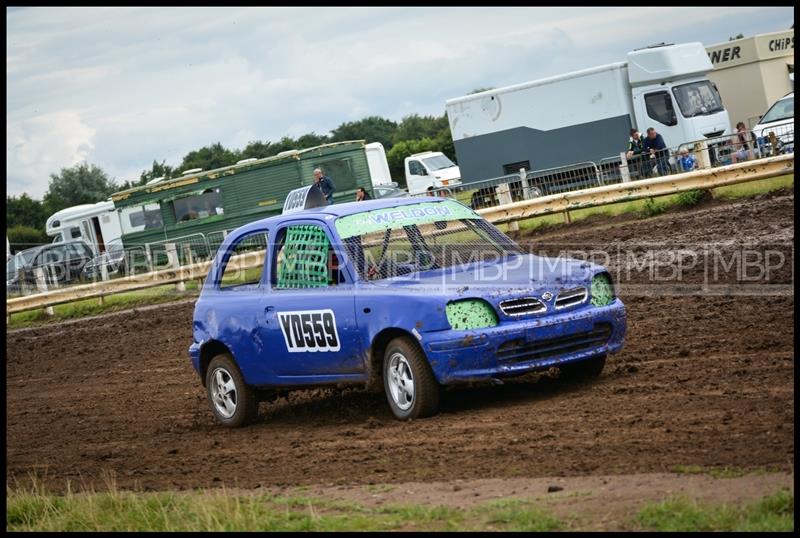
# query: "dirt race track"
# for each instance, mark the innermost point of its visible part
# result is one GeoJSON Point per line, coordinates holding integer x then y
{"type": "Point", "coordinates": [703, 380]}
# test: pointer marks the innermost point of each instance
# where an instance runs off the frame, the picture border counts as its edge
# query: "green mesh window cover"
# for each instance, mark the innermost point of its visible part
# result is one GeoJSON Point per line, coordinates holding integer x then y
{"type": "Point", "coordinates": [305, 258]}
{"type": "Point", "coordinates": [602, 290]}
{"type": "Point", "coordinates": [470, 314]}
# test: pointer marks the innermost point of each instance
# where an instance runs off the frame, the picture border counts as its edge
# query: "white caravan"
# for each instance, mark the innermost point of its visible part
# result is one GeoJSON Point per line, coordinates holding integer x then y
{"type": "Point", "coordinates": [96, 224]}
{"type": "Point", "coordinates": [378, 166]}
{"type": "Point", "coordinates": [587, 115]}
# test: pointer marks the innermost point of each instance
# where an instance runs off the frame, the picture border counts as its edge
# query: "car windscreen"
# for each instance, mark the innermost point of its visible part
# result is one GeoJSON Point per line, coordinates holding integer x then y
{"type": "Point", "coordinates": [782, 110]}
{"type": "Point", "coordinates": [398, 241]}
{"type": "Point", "coordinates": [439, 162]}
{"type": "Point", "coordinates": [698, 99]}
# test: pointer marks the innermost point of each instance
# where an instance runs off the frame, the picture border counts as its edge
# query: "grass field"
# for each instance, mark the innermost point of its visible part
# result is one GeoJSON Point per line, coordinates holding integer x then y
{"type": "Point", "coordinates": [679, 514]}
{"type": "Point", "coordinates": [643, 208]}
{"type": "Point", "coordinates": [219, 510]}
{"type": "Point", "coordinates": [112, 303]}
{"type": "Point", "coordinates": [652, 207]}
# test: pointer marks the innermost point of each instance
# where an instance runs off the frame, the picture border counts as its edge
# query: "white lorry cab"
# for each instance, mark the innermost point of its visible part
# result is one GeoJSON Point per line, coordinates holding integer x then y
{"type": "Point", "coordinates": [587, 115]}
{"type": "Point", "coordinates": [96, 224]}
{"type": "Point", "coordinates": [430, 169]}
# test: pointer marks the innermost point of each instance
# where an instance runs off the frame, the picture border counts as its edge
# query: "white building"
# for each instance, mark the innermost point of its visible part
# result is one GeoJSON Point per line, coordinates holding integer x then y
{"type": "Point", "coordinates": [752, 73]}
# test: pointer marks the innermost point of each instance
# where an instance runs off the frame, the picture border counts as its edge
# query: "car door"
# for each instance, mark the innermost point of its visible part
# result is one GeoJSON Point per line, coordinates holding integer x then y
{"type": "Point", "coordinates": [309, 307]}
{"type": "Point", "coordinates": [661, 112]}
{"type": "Point", "coordinates": [78, 255]}
{"type": "Point", "coordinates": [418, 179]}
{"type": "Point", "coordinates": [231, 308]}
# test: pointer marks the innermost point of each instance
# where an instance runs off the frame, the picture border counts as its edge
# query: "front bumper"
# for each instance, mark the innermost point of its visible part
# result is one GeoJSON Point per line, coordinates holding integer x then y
{"type": "Point", "coordinates": [519, 347]}
{"type": "Point", "coordinates": [194, 355]}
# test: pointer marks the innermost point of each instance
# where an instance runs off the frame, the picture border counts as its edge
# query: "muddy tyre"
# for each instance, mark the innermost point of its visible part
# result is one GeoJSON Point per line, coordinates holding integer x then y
{"type": "Point", "coordinates": [584, 369]}
{"type": "Point", "coordinates": [408, 380]}
{"type": "Point", "coordinates": [232, 401]}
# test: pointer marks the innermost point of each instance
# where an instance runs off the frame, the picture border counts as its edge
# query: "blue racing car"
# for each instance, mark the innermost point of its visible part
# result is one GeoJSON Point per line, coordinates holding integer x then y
{"type": "Point", "coordinates": [401, 294]}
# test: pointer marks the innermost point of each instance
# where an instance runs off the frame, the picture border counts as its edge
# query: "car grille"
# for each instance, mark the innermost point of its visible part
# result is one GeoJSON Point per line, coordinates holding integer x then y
{"type": "Point", "coordinates": [522, 306]}
{"type": "Point", "coordinates": [571, 297]}
{"type": "Point", "coordinates": [521, 351]}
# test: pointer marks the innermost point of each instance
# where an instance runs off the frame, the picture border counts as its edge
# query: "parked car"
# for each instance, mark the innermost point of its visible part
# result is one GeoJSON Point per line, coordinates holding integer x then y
{"type": "Point", "coordinates": [17, 261]}
{"type": "Point", "coordinates": [389, 191]}
{"type": "Point", "coordinates": [400, 294]}
{"type": "Point", "coordinates": [63, 263]}
{"type": "Point", "coordinates": [780, 120]}
{"type": "Point", "coordinates": [113, 258]}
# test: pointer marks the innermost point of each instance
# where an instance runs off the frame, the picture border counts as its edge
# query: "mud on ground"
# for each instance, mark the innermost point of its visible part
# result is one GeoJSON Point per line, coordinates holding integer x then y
{"type": "Point", "coordinates": [703, 380]}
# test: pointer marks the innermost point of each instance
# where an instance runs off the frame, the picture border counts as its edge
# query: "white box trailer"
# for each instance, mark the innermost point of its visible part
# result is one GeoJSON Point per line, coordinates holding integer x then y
{"type": "Point", "coordinates": [96, 224]}
{"type": "Point", "coordinates": [377, 163]}
{"type": "Point", "coordinates": [587, 115]}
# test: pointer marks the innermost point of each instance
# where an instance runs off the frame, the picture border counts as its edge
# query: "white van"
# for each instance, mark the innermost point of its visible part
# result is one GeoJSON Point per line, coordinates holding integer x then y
{"type": "Point", "coordinates": [430, 169]}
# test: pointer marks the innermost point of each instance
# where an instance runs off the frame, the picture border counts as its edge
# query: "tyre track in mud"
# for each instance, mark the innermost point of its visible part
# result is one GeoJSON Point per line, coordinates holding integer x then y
{"type": "Point", "coordinates": [702, 380]}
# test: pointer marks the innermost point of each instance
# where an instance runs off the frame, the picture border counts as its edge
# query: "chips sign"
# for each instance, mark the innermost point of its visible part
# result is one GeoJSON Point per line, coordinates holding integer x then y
{"type": "Point", "coordinates": [304, 198]}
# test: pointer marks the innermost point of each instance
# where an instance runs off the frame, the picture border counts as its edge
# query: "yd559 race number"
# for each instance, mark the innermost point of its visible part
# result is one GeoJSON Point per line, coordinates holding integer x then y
{"type": "Point", "coordinates": [309, 330]}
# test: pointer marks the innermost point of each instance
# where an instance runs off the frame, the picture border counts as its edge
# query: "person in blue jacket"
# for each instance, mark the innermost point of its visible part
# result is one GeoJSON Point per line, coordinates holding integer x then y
{"type": "Point", "coordinates": [655, 146]}
{"type": "Point", "coordinates": [325, 184]}
{"type": "Point", "coordinates": [686, 160]}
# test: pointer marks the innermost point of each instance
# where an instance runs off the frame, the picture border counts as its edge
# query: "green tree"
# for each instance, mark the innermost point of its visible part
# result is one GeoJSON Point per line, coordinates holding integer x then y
{"type": "Point", "coordinates": [371, 129]}
{"type": "Point", "coordinates": [208, 158]}
{"type": "Point", "coordinates": [21, 237]}
{"type": "Point", "coordinates": [738, 36]}
{"type": "Point", "coordinates": [257, 150]}
{"type": "Point", "coordinates": [397, 155]}
{"type": "Point", "coordinates": [80, 184]}
{"type": "Point", "coordinates": [23, 210]}
{"type": "Point", "coordinates": [159, 169]}
{"type": "Point", "coordinates": [444, 141]}
{"type": "Point", "coordinates": [284, 144]}
{"type": "Point", "coordinates": [311, 140]}
{"type": "Point", "coordinates": [415, 127]}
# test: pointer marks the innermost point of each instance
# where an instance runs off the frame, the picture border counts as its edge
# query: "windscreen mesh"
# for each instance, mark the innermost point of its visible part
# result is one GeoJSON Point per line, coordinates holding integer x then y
{"type": "Point", "coordinates": [414, 248]}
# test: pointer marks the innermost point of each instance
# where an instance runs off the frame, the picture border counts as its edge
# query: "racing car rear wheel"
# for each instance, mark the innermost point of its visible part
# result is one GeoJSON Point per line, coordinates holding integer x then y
{"type": "Point", "coordinates": [409, 383]}
{"type": "Point", "coordinates": [233, 403]}
{"type": "Point", "coordinates": [591, 367]}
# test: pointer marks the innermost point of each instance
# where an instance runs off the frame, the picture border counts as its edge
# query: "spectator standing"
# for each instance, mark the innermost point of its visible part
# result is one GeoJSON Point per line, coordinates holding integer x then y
{"type": "Point", "coordinates": [635, 153]}
{"type": "Point", "coordinates": [324, 184]}
{"type": "Point", "coordinates": [655, 146]}
{"type": "Point", "coordinates": [687, 161]}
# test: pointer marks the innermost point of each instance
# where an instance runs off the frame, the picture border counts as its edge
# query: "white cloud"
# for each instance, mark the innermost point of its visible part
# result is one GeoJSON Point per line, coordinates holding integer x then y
{"type": "Point", "coordinates": [122, 87]}
{"type": "Point", "coordinates": [42, 145]}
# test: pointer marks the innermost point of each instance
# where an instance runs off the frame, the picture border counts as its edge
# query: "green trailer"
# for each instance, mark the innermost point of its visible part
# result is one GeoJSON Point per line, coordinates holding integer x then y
{"type": "Point", "coordinates": [195, 210]}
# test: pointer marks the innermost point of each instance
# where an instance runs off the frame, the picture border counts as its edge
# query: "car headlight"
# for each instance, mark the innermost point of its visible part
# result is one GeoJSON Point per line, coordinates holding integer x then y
{"type": "Point", "coordinates": [602, 290]}
{"type": "Point", "coordinates": [468, 314]}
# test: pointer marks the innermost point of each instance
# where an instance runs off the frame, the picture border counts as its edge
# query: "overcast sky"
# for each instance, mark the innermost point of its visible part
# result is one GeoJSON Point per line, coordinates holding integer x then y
{"type": "Point", "coordinates": [120, 87]}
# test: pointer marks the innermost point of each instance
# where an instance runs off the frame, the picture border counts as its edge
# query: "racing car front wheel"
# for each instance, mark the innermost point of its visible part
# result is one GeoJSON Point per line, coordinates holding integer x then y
{"type": "Point", "coordinates": [591, 367]}
{"type": "Point", "coordinates": [409, 383]}
{"type": "Point", "coordinates": [233, 403]}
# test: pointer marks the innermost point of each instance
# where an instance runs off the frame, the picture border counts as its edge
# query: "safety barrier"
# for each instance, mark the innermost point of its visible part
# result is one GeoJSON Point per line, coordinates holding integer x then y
{"type": "Point", "coordinates": [660, 186]}
{"type": "Point", "coordinates": [510, 212]}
